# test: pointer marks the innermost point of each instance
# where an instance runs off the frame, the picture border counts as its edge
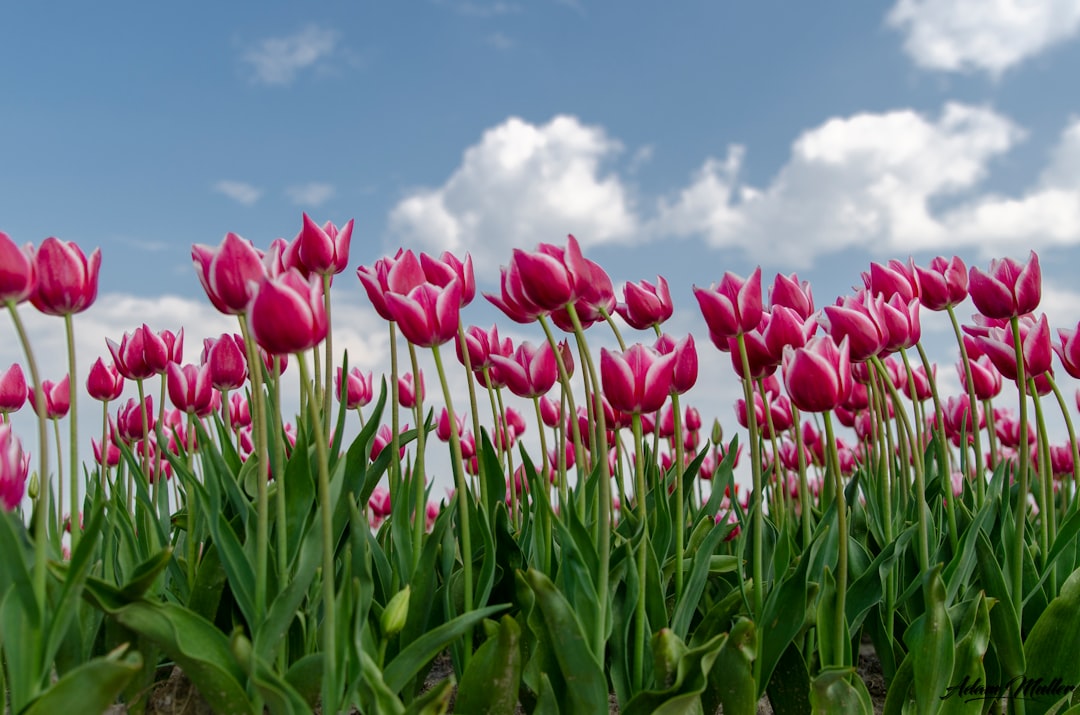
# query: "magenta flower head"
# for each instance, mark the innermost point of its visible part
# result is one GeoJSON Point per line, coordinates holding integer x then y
{"type": "Point", "coordinates": [14, 465]}
{"type": "Point", "coordinates": [984, 376]}
{"type": "Point", "coordinates": [104, 383]}
{"type": "Point", "coordinates": [732, 308]}
{"type": "Point", "coordinates": [442, 426]}
{"type": "Point", "coordinates": [228, 272]}
{"type": "Point", "coordinates": [189, 388]}
{"type": "Point", "coordinates": [409, 390]}
{"type": "Point", "coordinates": [942, 284]}
{"type": "Point", "coordinates": [998, 345]}
{"type": "Point", "coordinates": [789, 292]}
{"type": "Point", "coordinates": [13, 389]}
{"type": "Point", "coordinates": [550, 276]}
{"type": "Point", "coordinates": [530, 372]}
{"type": "Point", "coordinates": [18, 274]}
{"type": "Point", "coordinates": [512, 301]}
{"type": "Point", "coordinates": [893, 279]}
{"type": "Point", "coordinates": [857, 319]}
{"type": "Point", "coordinates": [356, 392]}
{"type": "Point", "coordinates": [900, 320]}
{"type": "Point", "coordinates": [57, 397]}
{"type": "Point", "coordinates": [324, 249]}
{"type": "Point", "coordinates": [646, 304]}
{"type": "Point", "coordinates": [428, 315]}
{"type": "Point", "coordinates": [1008, 289]}
{"type": "Point", "coordinates": [227, 362]}
{"type": "Point", "coordinates": [1068, 350]}
{"type": "Point", "coordinates": [287, 313]}
{"type": "Point", "coordinates": [129, 419]}
{"type": "Point", "coordinates": [399, 274]}
{"type": "Point", "coordinates": [638, 380]}
{"type": "Point", "coordinates": [66, 281]}
{"type": "Point", "coordinates": [141, 354]}
{"type": "Point", "coordinates": [684, 366]}
{"type": "Point", "coordinates": [448, 268]}
{"type": "Point", "coordinates": [818, 375]}
{"type": "Point", "coordinates": [594, 298]}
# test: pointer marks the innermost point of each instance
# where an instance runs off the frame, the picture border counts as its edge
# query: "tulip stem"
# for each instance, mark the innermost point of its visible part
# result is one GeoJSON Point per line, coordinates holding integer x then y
{"type": "Point", "coordinates": [1073, 447]}
{"type": "Point", "coordinates": [639, 498]}
{"type": "Point", "coordinates": [462, 494]}
{"type": "Point", "coordinates": [395, 439]}
{"type": "Point", "coordinates": [419, 479]}
{"type": "Point", "coordinates": [804, 488]}
{"type": "Point", "coordinates": [259, 424]}
{"type": "Point", "coordinates": [943, 450]}
{"type": "Point", "coordinates": [1048, 520]}
{"type": "Point", "coordinates": [840, 623]}
{"type": "Point", "coordinates": [1022, 474]}
{"type": "Point", "coordinates": [41, 523]}
{"type": "Point", "coordinates": [329, 695]}
{"type": "Point", "coordinates": [545, 473]}
{"type": "Point", "coordinates": [568, 393]}
{"type": "Point", "coordinates": [330, 358]}
{"type": "Point", "coordinates": [980, 478]}
{"type": "Point", "coordinates": [279, 486]}
{"type": "Point", "coordinates": [470, 379]}
{"type": "Point", "coordinates": [76, 522]}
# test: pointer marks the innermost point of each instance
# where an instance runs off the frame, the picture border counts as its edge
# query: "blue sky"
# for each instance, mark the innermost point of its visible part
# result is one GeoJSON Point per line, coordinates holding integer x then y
{"type": "Point", "coordinates": [683, 138]}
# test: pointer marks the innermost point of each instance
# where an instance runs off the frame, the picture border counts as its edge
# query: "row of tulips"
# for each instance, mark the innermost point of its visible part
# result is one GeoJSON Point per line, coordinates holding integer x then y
{"type": "Point", "coordinates": [285, 568]}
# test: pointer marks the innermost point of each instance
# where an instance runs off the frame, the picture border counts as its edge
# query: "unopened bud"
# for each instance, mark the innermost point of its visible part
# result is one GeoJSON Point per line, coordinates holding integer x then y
{"type": "Point", "coordinates": [717, 435]}
{"type": "Point", "coordinates": [33, 486]}
{"type": "Point", "coordinates": [395, 613]}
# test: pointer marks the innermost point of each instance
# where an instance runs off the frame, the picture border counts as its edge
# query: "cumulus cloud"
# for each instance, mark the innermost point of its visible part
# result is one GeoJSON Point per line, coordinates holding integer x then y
{"type": "Point", "coordinates": [276, 61]}
{"type": "Point", "coordinates": [519, 185]}
{"type": "Point", "coordinates": [239, 191]}
{"type": "Point", "coordinates": [313, 194]}
{"type": "Point", "coordinates": [971, 35]}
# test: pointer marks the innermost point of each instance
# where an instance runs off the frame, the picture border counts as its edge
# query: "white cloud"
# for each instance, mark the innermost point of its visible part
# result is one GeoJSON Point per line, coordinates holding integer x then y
{"type": "Point", "coordinates": [277, 60]}
{"type": "Point", "coordinates": [520, 185]}
{"type": "Point", "coordinates": [239, 191]}
{"type": "Point", "coordinates": [313, 194]}
{"type": "Point", "coordinates": [974, 35]}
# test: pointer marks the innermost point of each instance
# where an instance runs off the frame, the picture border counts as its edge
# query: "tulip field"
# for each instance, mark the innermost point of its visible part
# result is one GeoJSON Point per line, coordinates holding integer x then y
{"type": "Point", "coordinates": [596, 553]}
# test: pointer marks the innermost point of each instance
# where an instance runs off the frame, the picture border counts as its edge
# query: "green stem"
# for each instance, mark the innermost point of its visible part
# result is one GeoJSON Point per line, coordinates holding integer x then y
{"type": "Point", "coordinates": [279, 486]}
{"type": "Point", "coordinates": [329, 357]}
{"type": "Point", "coordinates": [1065, 488]}
{"type": "Point", "coordinates": [567, 391]}
{"type": "Point", "coordinates": [470, 379]}
{"type": "Point", "coordinates": [419, 478]}
{"type": "Point", "coordinates": [1047, 521]}
{"type": "Point", "coordinates": [73, 425]}
{"type": "Point", "coordinates": [943, 450]}
{"type": "Point", "coordinates": [980, 475]}
{"type": "Point", "coordinates": [840, 623]}
{"type": "Point", "coordinates": [804, 488]}
{"type": "Point", "coordinates": [639, 500]}
{"type": "Point", "coordinates": [1022, 475]}
{"type": "Point", "coordinates": [259, 431]}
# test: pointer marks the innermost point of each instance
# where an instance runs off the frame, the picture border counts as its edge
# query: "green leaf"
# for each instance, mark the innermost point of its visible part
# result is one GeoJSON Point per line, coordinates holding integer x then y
{"type": "Point", "coordinates": [490, 683]}
{"type": "Point", "coordinates": [695, 585]}
{"type": "Point", "coordinates": [689, 679]}
{"type": "Point", "coordinates": [837, 691]}
{"type": "Point", "coordinates": [789, 688]}
{"type": "Point", "coordinates": [970, 651]}
{"type": "Point", "coordinates": [92, 687]}
{"type": "Point", "coordinates": [1050, 648]}
{"type": "Point", "coordinates": [1004, 623]}
{"type": "Point", "coordinates": [731, 679]}
{"type": "Point", "coordinates": [784, 616]}
{"type": "Point", "coordinates": [929, 639]}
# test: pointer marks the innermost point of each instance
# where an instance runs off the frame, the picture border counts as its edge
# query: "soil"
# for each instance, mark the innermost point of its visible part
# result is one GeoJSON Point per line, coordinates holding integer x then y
{"type": "Point", "coordinates": [176, 696]}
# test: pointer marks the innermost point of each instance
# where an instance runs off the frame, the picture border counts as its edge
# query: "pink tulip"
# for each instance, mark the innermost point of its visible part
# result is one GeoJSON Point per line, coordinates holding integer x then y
{"type": "Point", "coordinates": [112, 453]}
{"type": "Point", "coordinates": [379, 502]}
{"type": "Point", "coordinates": [984, 376]}
{"type": "Point", "coordinates": [482, 344]}
{"type": "Point", "coordinates": [1068, 350]}
{"type": "Point", "coordinates": [442, 426]}
{"type": "Point", "coordinates": [943, 284]}
{"type": "Point", "coordinates": [230, 273]}
{"type": "Point", "coordinates": [227, 362]}
{"type": "Point", "coordinates": [13, 389]}
{"type": "Point", "coordinates": [104, 383]}
{"type": "Point", "coordinates": [818, 375]}
{"type": "Point", "coordinates": [638, 380]}
{"type": "Point", "coordinates": [550, 413]}
{"type": "Point", "coordinates": [129, 424]}
{"type": "Point", "coordinates": [399, 274]}
{"type": "Point", "coordinates": [189, 388]}
{"type": "Point", "coordinates": [324, 250]}
{"type": "Point", "coordinates": [428, 315]}
{"type": "Point", "coordinates": [530, 372]}
{"type": "Point", "coordinates": [57, 397]}
{"type": "Point", "coordinates": [18, 274]}
{"type": "Point", "coordinates": [999, 346]}
{"type": "Point", "coordinates": [684, 367]}
{"type": "Point", "coordinates": [732, 308]}
{"type": "Point", "coordinates": [900, 320]}
{"type": "Point", "coordinates": [287, 314]}
{"type": "Point", "coordinates": [448, 268]}
{"type": "Point", "coordinates": [409, 389]}
{"type": "Point", "coordinates": [140, 355]}
{"type": "Point", "coordinates": [1007, 428]}
{"type": "Point", "coordinates": [922, 384]}
{"type": "Point", "coordinates": [548, 278]}
{"type": "Point", "coordinates": [66, 281]}
{"type": "Point", "coordinates": [787, 291]}
{"type": "Point", "coordinates": [857, 319]}
{"type": "Point", "coordinates": [383, 439]}
{"type": "Point", "coordinates": [1008, 289]}
{"type": "Point", "coordinates": [957, 418]}
{"type": "Point", "coordinates": [14, 465]}
{"type": "Point", "coordinates": [594, 298]}
{"type": "Point", "coordinates": [356, 392]}
{"type": "Point", "coordinates": [646, 304]}
{"type": "Point", "coordinates": [512, 301]}
{"type": "Point", "coordinates": [239, 411]}
{"type": "Point", "coordinates": [891, 280]}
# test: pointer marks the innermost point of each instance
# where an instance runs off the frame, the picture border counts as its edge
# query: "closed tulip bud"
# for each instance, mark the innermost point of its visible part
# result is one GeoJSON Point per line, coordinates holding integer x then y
{"type": "Point", "coordinates": [442, 427]}
{"type": "Point", "coordinates": [57, 397]}
{"type": "Point", "coordinates": [943, 284]}
{"type": "Point", "coordinates": [818, 375]}
{"type": "Point", "coordinates": [18, 275]}
{"type": "Point", "coordinates": [530, 371]}
{"type": "Point", "coordinates": [895, 279]}
{"type": "Point", "coordinates": [1068, 350]}
{"type": "Point", "coordinates": [410, 390]}
{"type": "Point", "coordinates": [14, 465]}
{"type": "Point", "coordinates": [716, 434]}
{"type": "Point", "coordinates": [400, 274]}
{"type": "Point", "coordinates": [129, 420]}
{"type": "Point", "coordinates": [190, 389]}
{"type": "Point", "coordinates": [396, 611]}
{"type": "Point", "coordinates": [287, 314]}
{"type": "Point", "coordinates": [900, 320]}
{"type": "Point", "coordinates": [646, 304]}
{"type": "Point", "coordinates": [67, 282]}
{"type": "Point", "coordinates": [428, 315]}
{"type": "Point", "coordinates": [239, 411]}
{"type": "Point", "coordinates": [104, 382]}
{"type": "Point", "coordinates": [984, 376]}
{"type": "Point", "coordinates": [789, 292]}
{"type": "Point", "coordinates": [324, 249]}
{"type": "Point", "coordinates": [550, 413]}
{"type": "Point", "coordinates": [141, 354]}
{"type": "Point", "coordinates": [638, 380]}
{"type": "Point", "coordinates": [1008, 289]}
{"type": "Point", "coordinates": [13, 389]}
{"type": "Point", "coordinates": [999, 346]}
{"type": "Point", "coordinates": [230, 273]}
{"type": "Point", "coordinates": [446, 269]}
{"type": "Point", "coordinates": [857, 319]}
{"type": "Point", "coordinates": [112, 453]}
{"type": "Point", "coordinates": [227, 363]}
{"type": "Point", "coordinates": [732, 308]}
{"type": "Point", "coordinates": [684, 366]}
{"type": "Point", "coordinates": [383, 439]}
{"type": "Point", "coordinates": [357, 391]}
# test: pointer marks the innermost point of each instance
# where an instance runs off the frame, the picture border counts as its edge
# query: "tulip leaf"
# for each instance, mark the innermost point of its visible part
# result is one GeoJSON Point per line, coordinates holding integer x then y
{"type": "Point", "coordinates": [1050, 648]}
{"type": "Point", "coordinates": [929, 639]}
{"type": "Point", "coordinates": [16, 563]}
{"type": "Point", "coordinates": [490, 683]}
{"type": "Point", "coordinates": [1004, 622]}
{"type": "Point", "coordinates": [689, 678]}
{"type": "Point", "coordinates": [731, 678]}
{"type": "Point", "coordinates": [970, 652]}
{"type": "Point", "coordinates": [687, 605]}
{"type": "Point", "coordinates": [783, 618]}
{"type": "Point", "coordinates": [91, 687]}
{"type": "Point", "coordinates": [837, 691]}
{"type": "Point", "coordinates": [789, 688]}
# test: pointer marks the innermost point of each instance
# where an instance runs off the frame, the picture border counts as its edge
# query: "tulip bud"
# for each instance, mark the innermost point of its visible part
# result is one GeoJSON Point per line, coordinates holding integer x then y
{"type": "Point", "coordinates": [717, 435]}
{"type": "Point", "coordinates": [396, 612]}
{"type": "Point", "coordinates": [13, 389]}
{"type": "Point", "coordinates": [1008, 290]}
